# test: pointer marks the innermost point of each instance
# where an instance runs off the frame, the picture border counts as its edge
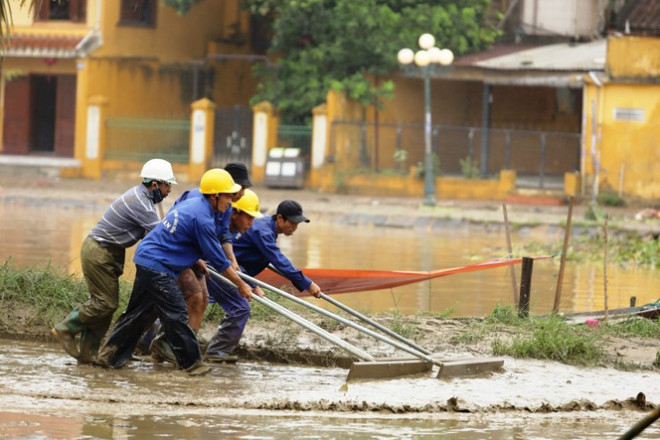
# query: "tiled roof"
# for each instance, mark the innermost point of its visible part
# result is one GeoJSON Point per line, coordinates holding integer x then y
{"type": "Point", "coordinates": [640, 17]}
{"type": "Point", "coordinates": [41, 45]}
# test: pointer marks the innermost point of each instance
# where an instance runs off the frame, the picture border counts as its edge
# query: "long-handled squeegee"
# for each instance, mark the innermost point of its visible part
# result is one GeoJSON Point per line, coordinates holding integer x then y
{"type": "Point", "coordinates": [390, 367]}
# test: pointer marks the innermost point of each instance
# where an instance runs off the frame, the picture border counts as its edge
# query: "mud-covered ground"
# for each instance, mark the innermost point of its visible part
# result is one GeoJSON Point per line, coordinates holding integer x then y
{"type": "Point", "coordinates": [45, 394]}
{"type": "Point", "coordinates": [284, 367]}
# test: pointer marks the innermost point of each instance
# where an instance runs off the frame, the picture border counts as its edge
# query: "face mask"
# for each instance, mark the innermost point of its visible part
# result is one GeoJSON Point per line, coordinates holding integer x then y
{"type": "Point", "coordinates": [156, 196]}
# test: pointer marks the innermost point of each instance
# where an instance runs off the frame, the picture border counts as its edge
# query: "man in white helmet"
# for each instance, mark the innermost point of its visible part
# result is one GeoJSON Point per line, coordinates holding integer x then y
{"type": "Point", "coordinates": [102, 255]}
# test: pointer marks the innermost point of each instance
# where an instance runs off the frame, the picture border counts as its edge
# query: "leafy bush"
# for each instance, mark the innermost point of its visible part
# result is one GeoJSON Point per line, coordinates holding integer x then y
{"type": "Point", "coordinates": [610, 199]}
{"type": "Point", "coordinates": [469, 168]}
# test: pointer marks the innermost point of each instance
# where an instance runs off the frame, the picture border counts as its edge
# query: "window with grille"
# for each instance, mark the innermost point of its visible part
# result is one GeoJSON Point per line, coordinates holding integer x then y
{"type": "Point", "coordinates": [138, 13]}
{"type": "Point", "coordinates": [63, 10]}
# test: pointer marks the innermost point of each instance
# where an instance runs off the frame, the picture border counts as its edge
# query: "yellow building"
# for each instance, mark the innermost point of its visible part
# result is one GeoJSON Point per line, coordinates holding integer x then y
{"type": "Point", "coordinates": [622, 119]}
{"type": "Point", "coordinates": [129, 70]}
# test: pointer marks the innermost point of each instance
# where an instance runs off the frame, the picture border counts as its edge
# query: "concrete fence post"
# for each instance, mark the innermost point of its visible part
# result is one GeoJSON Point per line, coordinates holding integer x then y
{"type": "Point", "coordinates": [264, 138]}
{"type": "Point", "coordinates": [95, 139]}
{"type": "Point", "coordinates": [320, 138]}
{"type": "Point", "coordinates": [202, 122]}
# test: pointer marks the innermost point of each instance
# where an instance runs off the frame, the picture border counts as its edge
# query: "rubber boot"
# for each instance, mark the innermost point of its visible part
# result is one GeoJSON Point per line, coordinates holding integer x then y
{"type": "Point", "coordinates": [161, 350]}
{"type": "Point", "coordinates": [66, 331]}
{"type": "Point", "coordinates": [199, 368]}
{"type": "Point", "coordinates": [89, 347]}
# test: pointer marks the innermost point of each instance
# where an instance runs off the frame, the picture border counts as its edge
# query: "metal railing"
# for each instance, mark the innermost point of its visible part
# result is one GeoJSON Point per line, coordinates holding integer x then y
{"type": "Point", "coordinates": [535, 155]}
{"type": "Point", "coordinates": [141, 139]}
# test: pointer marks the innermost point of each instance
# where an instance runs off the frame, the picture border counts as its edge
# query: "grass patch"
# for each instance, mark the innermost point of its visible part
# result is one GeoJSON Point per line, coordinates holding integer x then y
{"type": "Point", "coordinates": [632, 327]}
{"type": "Point", "coordinates": [41, 297]}
{"type": "Point", "coordinates": [505, 314]}
{"type": "Point", "coordinates": [551, 338]}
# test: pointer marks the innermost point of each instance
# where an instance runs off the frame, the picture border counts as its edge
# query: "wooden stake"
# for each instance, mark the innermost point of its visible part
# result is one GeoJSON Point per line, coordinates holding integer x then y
{"type": "Point", "coordinates": [562, 263]}
{"type": "Point", "coordinates": [525, 286]}
{"type": "Point", "coordinates": [605, 268]}
{"type": "Point", "coordinates": [509, 249]}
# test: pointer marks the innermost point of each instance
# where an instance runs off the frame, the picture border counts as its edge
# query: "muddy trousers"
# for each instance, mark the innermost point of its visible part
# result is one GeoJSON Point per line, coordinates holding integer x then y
{"type": "Point", "coordinates": [237, 312]}
{"type": "Point", "coordinates": [154, 294]}
{"type": "Point", "coordinates": [102, 266]}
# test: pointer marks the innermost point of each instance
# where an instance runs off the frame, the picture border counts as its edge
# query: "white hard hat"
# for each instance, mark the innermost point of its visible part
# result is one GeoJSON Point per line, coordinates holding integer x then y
{"type": "Point", "coordinates": [158, 169]}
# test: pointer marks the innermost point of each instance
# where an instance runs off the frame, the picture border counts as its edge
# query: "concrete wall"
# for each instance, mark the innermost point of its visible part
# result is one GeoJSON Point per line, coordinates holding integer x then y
{"type": "Point", "coordinates": [411, 186]}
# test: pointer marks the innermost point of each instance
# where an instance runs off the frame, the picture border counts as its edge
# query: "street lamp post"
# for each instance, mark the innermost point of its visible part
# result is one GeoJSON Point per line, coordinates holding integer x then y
{"type": "Point", "coordinates": [425, 59]}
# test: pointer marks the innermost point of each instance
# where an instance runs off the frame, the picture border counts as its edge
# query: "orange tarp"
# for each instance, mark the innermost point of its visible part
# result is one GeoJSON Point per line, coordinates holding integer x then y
{"type": "Point", "coordinates": [351, 280]}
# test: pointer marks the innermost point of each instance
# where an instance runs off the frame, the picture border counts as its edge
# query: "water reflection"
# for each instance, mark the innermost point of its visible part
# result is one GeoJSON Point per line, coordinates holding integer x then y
{"type": "Point", "coordinates": [35, 233]}
{"type": "Point", "coordinates": [269, 426]}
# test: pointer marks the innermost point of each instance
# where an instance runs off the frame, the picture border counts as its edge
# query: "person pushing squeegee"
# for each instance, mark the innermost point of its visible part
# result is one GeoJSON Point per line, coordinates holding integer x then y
{"type": "Point", "coordinates": [370, 367]}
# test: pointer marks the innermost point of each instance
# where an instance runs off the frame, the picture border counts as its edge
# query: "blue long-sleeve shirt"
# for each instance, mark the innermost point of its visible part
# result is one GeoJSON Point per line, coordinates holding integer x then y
{"type": "Point", "coordinates": [186, 234]}
{"type": "Point", "coordinates": [257, 248]}
{"type": "Point", "coordinates": [223, 233]}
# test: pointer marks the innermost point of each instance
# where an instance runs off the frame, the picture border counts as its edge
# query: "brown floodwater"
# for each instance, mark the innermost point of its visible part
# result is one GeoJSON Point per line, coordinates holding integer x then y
{"type": "Point", "coordinates": [40, 232]}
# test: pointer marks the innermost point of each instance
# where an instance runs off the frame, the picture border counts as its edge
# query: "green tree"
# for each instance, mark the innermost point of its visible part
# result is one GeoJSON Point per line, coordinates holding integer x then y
{"type": "Point", "coordinates": [346, 44]}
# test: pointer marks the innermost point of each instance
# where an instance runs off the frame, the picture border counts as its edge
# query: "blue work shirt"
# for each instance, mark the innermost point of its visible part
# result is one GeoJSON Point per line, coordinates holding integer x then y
{"type": "Point", "coordinates": [186, 234]}
{"type": "Point", "coordinates": [222, 225]}
{"type": "Point", "coordinates": [257, 248]}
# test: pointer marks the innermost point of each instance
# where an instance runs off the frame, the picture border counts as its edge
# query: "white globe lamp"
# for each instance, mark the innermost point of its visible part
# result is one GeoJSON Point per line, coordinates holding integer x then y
{"type": "Point", "coordinates": [406, 56]}
{"type": "Point", "coordinates": [426, 41]}
{"type": "Point", "coordinates": [446, 57]}
{"type": "Point", "coordinates": [422, 58]}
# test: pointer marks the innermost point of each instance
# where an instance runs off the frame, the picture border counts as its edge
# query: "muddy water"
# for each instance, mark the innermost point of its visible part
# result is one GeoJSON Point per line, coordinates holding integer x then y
{"type": "Point", "coordinates": [35, 232]}
{"type": "Point", "coordinates": [45, 395]}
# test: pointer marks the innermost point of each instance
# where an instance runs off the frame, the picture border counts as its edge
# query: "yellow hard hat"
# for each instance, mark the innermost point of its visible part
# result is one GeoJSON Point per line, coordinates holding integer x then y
{"type": "Point", "coordinates": [248, 204]}
{"type": "Point", "coordinates": [217, 181]}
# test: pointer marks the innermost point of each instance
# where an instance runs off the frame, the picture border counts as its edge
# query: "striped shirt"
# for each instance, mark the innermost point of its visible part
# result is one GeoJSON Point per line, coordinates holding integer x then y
{"type": "Point", "coordinates": [127, 219]}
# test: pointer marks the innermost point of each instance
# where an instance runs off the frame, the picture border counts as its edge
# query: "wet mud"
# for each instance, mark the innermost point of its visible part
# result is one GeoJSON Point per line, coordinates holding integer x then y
{"type": "Point", "coordinates": [39, 375]}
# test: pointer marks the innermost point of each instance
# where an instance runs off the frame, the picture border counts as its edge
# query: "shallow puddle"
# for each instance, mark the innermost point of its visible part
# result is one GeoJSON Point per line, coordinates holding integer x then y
{"type": "Point", "coordinates": [269, 426]}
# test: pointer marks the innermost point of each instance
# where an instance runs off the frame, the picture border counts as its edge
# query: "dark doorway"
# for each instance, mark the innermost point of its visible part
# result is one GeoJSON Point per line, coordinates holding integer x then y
{"type": "Point", "coordinates": [44, 93]}
{"type": "Point", "coordinates": [39, 115]}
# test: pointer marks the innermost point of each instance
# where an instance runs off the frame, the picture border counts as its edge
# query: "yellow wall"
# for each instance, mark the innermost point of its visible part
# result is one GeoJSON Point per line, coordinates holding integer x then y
{"type": "Point", "coordinates": [175, 38]}
{"type": "Point", "coordinates": [139, 88]}
{"type": "Point", "coordinates": [629, 56]}
{"type": "Point", "coordinates": [235, 72]}
{"type": "Point", "coordinates": [332, 180]}
{"type": "Point", "coordinates": [629, 150]}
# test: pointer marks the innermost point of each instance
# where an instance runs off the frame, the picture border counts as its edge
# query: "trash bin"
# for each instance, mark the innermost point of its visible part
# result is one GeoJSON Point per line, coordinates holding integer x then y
{"type": "Point", "coordinates": [284, 168]}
